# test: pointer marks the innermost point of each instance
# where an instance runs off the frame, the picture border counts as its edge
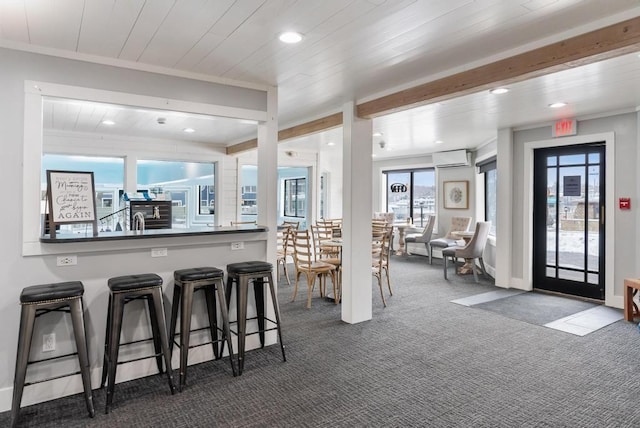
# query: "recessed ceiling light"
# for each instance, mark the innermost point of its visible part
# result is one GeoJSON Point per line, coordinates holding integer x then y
{"type": "Point", "coordinates": [108, 122]}
{"type": "Point", "coordinates": [373, 155]}
{"type": "Point", "coordinates": [189, 130]}
{"type": "Point", "coordinates": [557, 105]}
{"type": "Point", "coordinates": [377, 134]}
{"type": "Point", "coordinates": [498, 91]}
{"type": "Point", "coordinates": [331, 143]}
{"type": "Point", "coordinates": [438, 141]}
{"type": "Point", "coordinates": [290, 37]}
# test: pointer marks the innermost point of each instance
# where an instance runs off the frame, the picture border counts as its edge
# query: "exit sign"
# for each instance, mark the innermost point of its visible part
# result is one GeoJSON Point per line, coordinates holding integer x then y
{"type": "Point", "coordinates": [565, 127]}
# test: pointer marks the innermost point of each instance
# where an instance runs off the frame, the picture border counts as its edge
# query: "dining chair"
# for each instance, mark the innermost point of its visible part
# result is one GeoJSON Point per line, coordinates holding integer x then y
{"type": "Point", "coordinates": [423, 237]}
{"type": "Point", "coordinates": [380, 251]}
{"type": "Point", "coordinates": [293, 224]}
{"type": "Point", "coordinates": [472, 251]}
{"type": "Point", "coordinates": [458, 224]}
{"type": "Point", "coordinates": [284, 251]}
{"type": "Point", "coordinates": [306, 264]}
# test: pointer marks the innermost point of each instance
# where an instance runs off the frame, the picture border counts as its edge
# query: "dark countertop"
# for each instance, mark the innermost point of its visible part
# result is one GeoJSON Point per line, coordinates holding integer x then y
{"type": "Point", "coordinates": [153, 233]}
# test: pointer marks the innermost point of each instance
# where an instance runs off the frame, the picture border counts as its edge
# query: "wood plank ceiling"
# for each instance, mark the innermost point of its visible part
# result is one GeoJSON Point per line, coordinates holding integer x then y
{"type": "Point", "coordinates": [363, 50]}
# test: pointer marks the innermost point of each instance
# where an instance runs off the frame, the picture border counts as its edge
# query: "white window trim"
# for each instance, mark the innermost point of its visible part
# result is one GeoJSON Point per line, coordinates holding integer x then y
{"type": "Point", "coordinates": [33, 146]}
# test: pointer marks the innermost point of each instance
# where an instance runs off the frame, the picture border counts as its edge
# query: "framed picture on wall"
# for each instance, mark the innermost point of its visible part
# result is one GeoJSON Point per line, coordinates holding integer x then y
{"type": "Point", "coordinates": [456, 194]}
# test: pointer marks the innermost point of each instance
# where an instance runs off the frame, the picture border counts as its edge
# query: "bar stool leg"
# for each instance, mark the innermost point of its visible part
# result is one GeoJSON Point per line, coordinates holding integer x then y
{"type": "Point", "coordinates": [77, 319]}
{"type": "Point", "coordinates": [105, 364]}
{"type": "Point", "coordinates": [161, 324]}
{"type": "Point", "coordinates": [276, 309]}
{"type": "Point", "coordinates": [175, 305]}
{"type": "Point", "coordinates": [227, 303]}
{"type": "Point", "coordinates": [157, 348]}
{"type": "Point", "coordinates": [114, 327]}
{"type": "Point", "coordinates": [185, 330]}
{"type": "Point", "coordinates": [27, 318]}
{"type": "Point", "coordinates": [258, 292]}
{"type": "Point", "coordinates": [225, 326]}
{"type": "Point", "coordinates": [213, 318]}
{"type": "Point", "coordinates": [241, 289]}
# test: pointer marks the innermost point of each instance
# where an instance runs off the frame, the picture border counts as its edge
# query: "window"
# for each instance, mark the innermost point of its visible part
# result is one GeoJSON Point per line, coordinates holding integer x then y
{"type": "Point", "coordinates": [108, 177]}
{"type": "Point", "coordinates": [488, 168]}
{"type": "Point", "coordinates": [295, 191]}
{"type": "Point", "coordinates": [183, 183]}
{"type": "Point", "coordinates": [411, 194]}
{"type": "Point", "coordinates": [249, 189]}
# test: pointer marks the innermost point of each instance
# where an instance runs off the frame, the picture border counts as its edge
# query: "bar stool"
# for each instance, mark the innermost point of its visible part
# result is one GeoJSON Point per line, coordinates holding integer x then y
{"type": "Point", "coordinates": [125, 289]}
{"type": "Point", "coordinates": [38, 300]}
{"type": "Point", "coordinates": [241, 274]}
{"type": "Point", "coordinates": [186, 282]}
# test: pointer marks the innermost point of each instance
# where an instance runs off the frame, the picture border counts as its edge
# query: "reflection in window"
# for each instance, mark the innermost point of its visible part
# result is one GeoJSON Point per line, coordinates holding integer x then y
{"type": "Point", "coordinates": [295, 191]}
{"type": "Point", "coordinates": [488, 168]}
{"type": "Point", "coordinates": [182, 183]}
{"type": "Point", "coordinates": [411, 194]}
{"type": "Point", "coordinates": [108, 177]}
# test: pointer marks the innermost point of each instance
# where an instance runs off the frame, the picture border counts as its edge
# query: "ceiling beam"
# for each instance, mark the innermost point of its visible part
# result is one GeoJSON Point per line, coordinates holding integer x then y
{"type": "Point", "coordinates": [608, 42]}
{"type": "Point", "coordinates": [307, 128]}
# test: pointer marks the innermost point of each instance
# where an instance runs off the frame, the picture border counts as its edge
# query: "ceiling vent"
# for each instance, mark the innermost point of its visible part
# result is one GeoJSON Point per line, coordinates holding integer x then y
{"type": "Point", "coordinates": [451, 159]}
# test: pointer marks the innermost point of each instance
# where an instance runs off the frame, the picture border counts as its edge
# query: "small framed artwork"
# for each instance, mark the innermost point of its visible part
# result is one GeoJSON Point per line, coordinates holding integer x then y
{"type": "Point", "coordinates": [456, 194]}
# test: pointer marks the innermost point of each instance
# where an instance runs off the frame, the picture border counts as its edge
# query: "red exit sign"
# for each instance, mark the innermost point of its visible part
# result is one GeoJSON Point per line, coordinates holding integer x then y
{"type": "Point", "coordinates": [565, 127]}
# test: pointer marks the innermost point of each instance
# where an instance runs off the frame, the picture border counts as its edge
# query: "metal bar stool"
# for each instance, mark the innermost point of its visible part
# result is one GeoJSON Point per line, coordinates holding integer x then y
{"type": "Point", "coordinates": [242, 273]}
{"type": "Point", "coordinates": [186, 282]}
{"type": "Point", "coordinates": [125, 289]}
{"type": "Point", "coordinates": [38, 300]}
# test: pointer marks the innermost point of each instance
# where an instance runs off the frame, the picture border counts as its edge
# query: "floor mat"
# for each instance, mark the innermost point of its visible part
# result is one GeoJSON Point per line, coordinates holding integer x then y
{"type": "Point", "coordinates": [559, 313]}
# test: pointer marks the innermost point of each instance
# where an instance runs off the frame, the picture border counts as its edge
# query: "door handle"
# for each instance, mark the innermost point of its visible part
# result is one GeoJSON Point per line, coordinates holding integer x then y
{"type": "Point", "coordinates": [602, 215]}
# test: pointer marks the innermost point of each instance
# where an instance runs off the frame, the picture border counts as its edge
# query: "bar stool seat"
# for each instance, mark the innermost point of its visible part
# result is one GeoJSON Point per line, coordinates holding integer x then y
{"type": "Point", "coordinates": [186, 282]}
{"type": "Point", "coordinates": [241, 274]}
{"type": "Point", "coordinates": [125, 289]}
{"type": "Point", "coordinates": [38, 300]}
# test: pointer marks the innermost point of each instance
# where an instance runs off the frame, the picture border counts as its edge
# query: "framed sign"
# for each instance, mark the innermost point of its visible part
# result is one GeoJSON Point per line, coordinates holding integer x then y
{"type": "Point", "coordinates": [71, 198]}
{"type": "Point", "coordinates": [456, 194]}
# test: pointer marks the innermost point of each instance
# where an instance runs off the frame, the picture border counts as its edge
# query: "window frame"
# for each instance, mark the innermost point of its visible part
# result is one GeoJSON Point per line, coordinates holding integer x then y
{"type": "Point", "coordinates": [411, 172]}
{"type": "Point", "coordinates": [286, 199]}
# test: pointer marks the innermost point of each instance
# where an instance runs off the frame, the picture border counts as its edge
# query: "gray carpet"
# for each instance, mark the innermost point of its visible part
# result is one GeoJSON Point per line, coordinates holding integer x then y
{"type": "Point", "coordinates": [422, 361]}
{"type": "Point", "coordinates": [536, 308]}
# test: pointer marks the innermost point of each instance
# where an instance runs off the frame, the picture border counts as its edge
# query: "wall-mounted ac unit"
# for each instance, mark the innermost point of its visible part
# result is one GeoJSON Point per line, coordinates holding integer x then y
{"type": "Point", "coordinates": [451, 158]}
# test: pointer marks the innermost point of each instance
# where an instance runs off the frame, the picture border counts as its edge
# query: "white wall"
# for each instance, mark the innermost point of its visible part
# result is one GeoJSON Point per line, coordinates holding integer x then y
{"type": "Point", "coordinates": [101, 262]}
{"type": "Point", "coordinates": [624, 234]}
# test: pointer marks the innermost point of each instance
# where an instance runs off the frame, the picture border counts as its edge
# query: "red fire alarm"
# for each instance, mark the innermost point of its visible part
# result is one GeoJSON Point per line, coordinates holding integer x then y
{"type": "Point", "coordinates": [625, 203]}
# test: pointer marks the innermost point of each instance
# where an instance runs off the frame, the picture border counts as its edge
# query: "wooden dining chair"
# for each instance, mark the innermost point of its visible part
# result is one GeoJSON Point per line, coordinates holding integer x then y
{"type": "Point", "coordinates": [306, 264]}
{"type": "Point", "coordinates": [380, 251]}
{"type": "Point", "coordinates": [283, 252]}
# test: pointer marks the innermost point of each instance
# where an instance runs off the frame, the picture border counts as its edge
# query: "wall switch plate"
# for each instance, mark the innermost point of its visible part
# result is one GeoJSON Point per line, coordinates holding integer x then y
{"type": "Point", "coordinates": [237, 245]}
{"type": "Point", "coordinates": [48, 342]}
{"type": "Point", "coordinates": [67, 260]}
{"type": "Point", "coordinates": [158, 252]}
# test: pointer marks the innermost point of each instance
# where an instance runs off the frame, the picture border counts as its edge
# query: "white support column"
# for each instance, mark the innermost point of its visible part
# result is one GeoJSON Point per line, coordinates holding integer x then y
{"type": "Point", "coordinates": [268, 173]}
{"type": "Point", "coordinates": [504, 210]}
{"type": "Point", "coordinates": [357, 213]}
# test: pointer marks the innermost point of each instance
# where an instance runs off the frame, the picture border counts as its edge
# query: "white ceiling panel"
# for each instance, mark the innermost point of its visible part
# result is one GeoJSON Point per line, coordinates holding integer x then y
{"type": "Point", "coordinates": [115, 18]}
{"type": "Point", "coordinates": [352, 50]}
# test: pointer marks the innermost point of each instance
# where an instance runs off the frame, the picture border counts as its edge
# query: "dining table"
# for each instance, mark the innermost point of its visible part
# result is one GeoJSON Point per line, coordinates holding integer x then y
{"type": "Point", "coordinates": [402, 232]}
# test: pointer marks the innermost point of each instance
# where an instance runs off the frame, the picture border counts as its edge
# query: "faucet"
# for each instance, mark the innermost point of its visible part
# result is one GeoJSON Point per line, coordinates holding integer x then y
{"type": "Point", "coordinates": [138, 221]}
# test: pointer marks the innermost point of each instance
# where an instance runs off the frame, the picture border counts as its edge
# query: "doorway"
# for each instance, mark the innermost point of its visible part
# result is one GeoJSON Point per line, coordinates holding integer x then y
{"type": "Point", "coordinates": [568, 220]}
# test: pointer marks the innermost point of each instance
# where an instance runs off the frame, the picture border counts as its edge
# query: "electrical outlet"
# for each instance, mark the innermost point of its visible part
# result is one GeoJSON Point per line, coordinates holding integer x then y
{"type": "Point", "coordinates": [67, 260]}
{"type": "Point", "coordinates": [237, 245]}
{"type": "Point", "coordinates": [48, 342]}
{"type": "Point", "coordinates": [158, 252]}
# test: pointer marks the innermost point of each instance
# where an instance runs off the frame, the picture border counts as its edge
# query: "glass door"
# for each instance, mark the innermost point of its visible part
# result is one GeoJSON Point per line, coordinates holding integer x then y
{"type": "Point", "coordinates": [568, 250]}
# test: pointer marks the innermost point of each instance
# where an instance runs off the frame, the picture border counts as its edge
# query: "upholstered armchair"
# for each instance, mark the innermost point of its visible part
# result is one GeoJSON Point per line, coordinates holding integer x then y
{"type": "Point", "coordinates": [472, 251]}
{"type": "Point", "coordinates": [424, 237]}
{"type": "Point", "coordinates": [458, 224]}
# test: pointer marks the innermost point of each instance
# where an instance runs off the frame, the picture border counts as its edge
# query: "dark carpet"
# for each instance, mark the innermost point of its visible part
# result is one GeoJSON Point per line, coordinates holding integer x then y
{"type": "Point", "coordinates": [422, 361]}
{"type": "Point", "coordinates": [536, 308]}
